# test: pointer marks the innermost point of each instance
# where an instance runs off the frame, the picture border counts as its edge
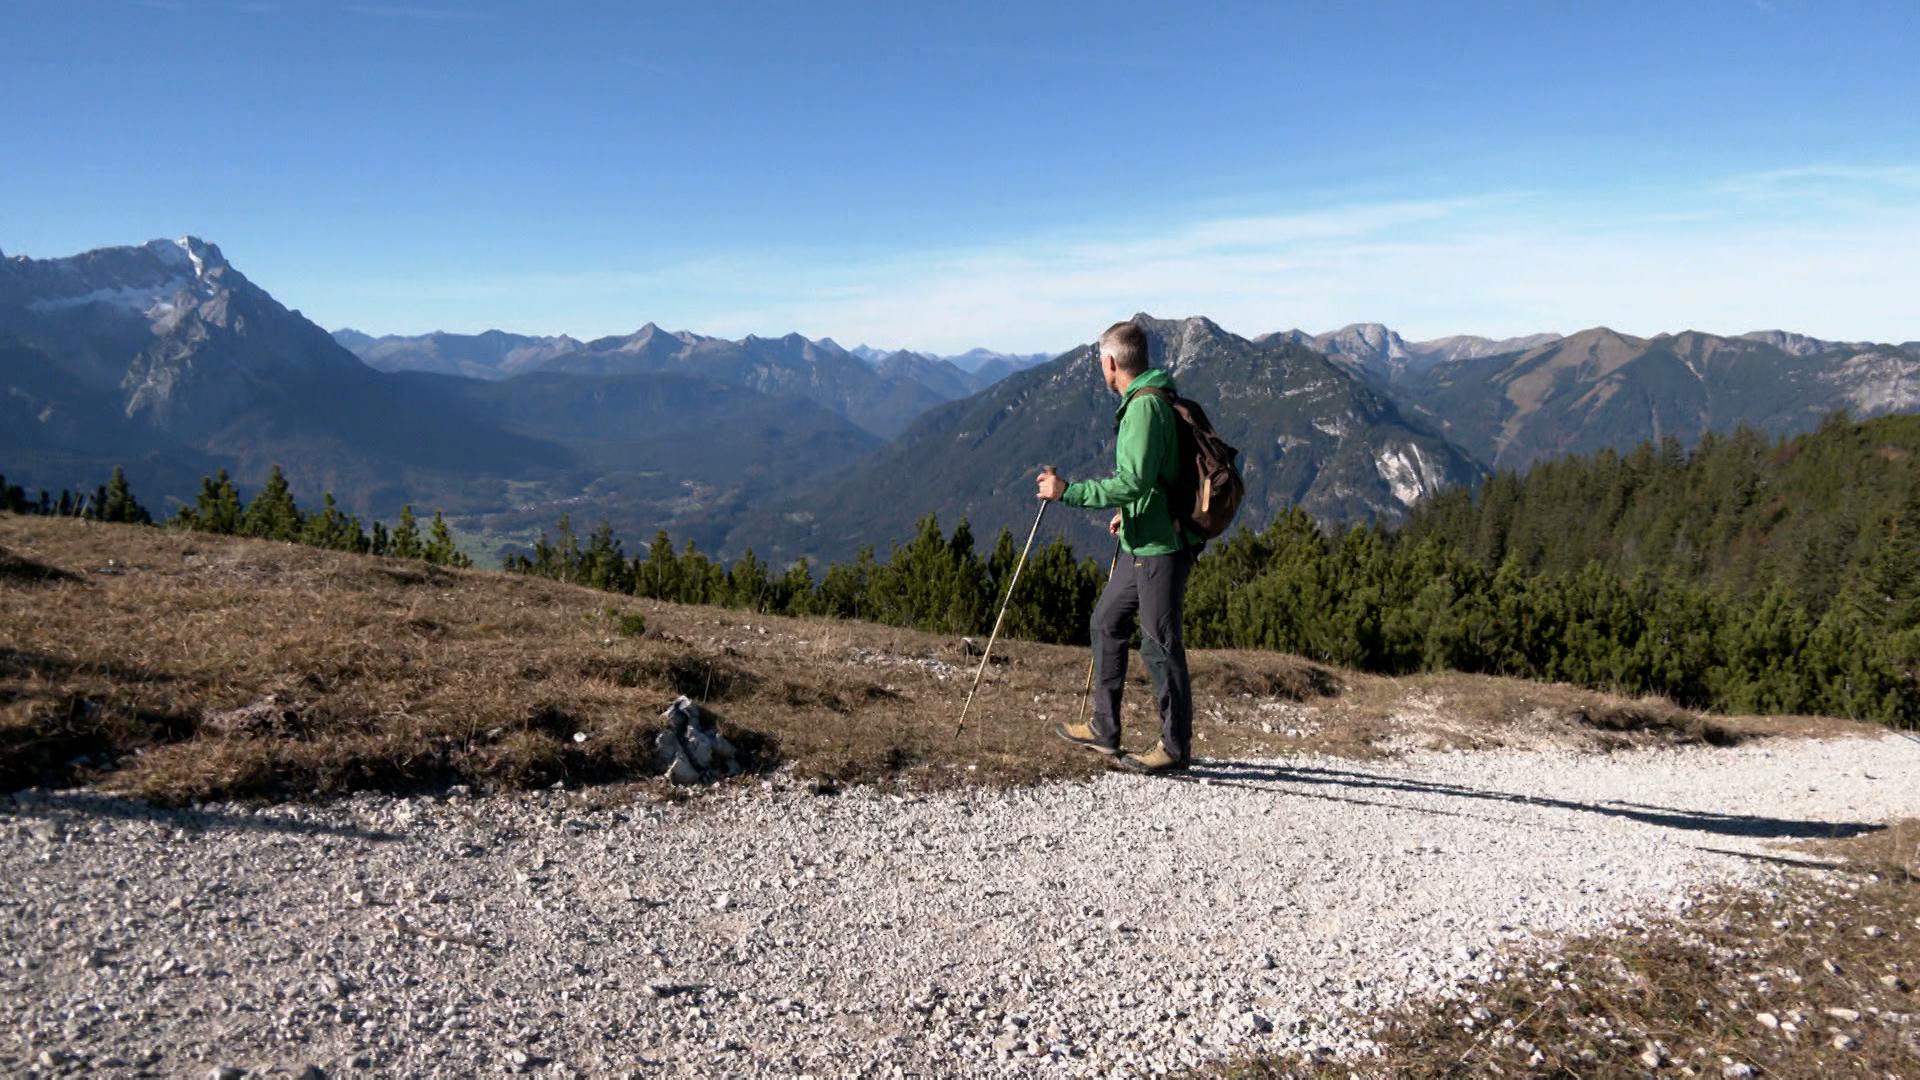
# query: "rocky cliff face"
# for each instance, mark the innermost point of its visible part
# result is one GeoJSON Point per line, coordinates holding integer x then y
{"type": "Point", "coordinates": [185, 341]}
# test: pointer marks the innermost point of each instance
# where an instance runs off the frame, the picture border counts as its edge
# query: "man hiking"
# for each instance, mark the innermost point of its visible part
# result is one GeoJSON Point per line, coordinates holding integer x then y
{"type": "Point", "coordinates": [1150, 579]}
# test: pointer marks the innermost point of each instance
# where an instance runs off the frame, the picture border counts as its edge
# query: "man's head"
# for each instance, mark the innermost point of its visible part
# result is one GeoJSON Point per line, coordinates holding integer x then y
{"type": "Point", "coordinates": [1123, 355]}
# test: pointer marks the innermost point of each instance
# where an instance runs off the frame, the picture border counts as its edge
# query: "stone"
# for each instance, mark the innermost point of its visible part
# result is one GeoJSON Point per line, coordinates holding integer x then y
{"type": "Point", "coordinates": [691, 749]}
{"type": "Point", "coordinates": [1844, 1015]}
{"type": "Point", "coordinates": [1874, 932]}
{"type": "Point", "coordinates": [226, 1072]}
{"type": "Point", "coordinates": [1739, 1070]}
{"type": "Point", "coordinates": [311, 1072]}
{"type": "Point", "coordinates": [1845, 1042]}
{"type": "Point", "coordinates": [1893, 982]}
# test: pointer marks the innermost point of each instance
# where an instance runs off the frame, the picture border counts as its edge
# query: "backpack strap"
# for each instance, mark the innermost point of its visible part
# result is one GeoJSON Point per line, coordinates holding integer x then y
{"type": "Point", "coordinates": [1150, 391]}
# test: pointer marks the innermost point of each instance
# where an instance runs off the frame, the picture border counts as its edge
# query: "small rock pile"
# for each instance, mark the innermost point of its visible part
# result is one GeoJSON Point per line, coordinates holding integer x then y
{"type": "Point", "coordinates": [692, 750]}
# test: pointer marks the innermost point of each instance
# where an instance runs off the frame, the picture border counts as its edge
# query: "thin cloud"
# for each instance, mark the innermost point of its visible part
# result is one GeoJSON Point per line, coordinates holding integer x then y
{"type": "Point", "coordinates": [1498, 264]}
{"type": "Point", "coordinates": [1838, 181]}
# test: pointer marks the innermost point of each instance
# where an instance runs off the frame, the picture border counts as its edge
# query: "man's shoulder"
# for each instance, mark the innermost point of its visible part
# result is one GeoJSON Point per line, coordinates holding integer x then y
{"type": "Point", "coordinates": [1154, 400]}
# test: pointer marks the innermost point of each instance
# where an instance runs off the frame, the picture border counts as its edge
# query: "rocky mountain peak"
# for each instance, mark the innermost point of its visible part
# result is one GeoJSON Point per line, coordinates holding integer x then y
{"type": "Point", "coordinates": [189, 252]}
{"type": "Point", "coordinates": [1601, 336]}
{"type": "Point", "coordinates": [1367, 341]}
{"type": "Point", "coordinates": [1791, 343]}
{"type": "Point", "coordinates": [1181, 341]}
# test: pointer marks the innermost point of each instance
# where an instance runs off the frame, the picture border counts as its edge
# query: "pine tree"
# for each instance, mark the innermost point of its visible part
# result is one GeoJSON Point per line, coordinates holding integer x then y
{"type": "Point", "coordinates": [13, 499]}
{"type": "Point", "coordinates": [217, 508]}
{"type": "Point", "coordinates": [605, 564]}
{"type": "Point", "coordinates": [326, 529]}
{"type": "Point", "coordinates": [843, 589]}
{"type": "Point", "coordinates": [794, 590]}
{"type": "Point", "coordinates": [118, 503]}
{"type": "Point", "coordinates": [405, 543]}
{"type": "Point", "coordinates": [272, 514]}
{"type": "Point", "coordinates": [748, 583]}
{"type": "Point", "coordinates": [695, 577]}
{"type": "Point", "coordinates": [441, 550]}
{"type": "Point", "coordinates": [658, 578]}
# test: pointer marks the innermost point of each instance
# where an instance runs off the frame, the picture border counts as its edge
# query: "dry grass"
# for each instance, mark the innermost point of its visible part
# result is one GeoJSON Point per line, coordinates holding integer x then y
{"type": "Point", "coordinates": [1814, 978]}
{"type": "Point", "coordinates": [178, 666]}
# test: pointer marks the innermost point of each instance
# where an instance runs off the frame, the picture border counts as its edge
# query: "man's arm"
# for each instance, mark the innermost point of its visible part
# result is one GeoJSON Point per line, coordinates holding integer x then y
{"type": "Point", "coordinates": [1133, 474]}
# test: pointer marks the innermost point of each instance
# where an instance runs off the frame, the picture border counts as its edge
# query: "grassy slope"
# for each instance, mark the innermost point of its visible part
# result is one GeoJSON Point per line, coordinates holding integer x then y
{"type": "Point", "coordinates": [125, 653]}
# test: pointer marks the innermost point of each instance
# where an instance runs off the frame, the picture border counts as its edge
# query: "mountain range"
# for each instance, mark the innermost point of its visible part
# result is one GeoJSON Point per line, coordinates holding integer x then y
{"type": "Point", "coordinates": [1310, 434]}
{"type": "Point", "coordinates": [878, 391]}
{"type": "Point", "coordinates": [1511, 403]}
{"type": "Point", "coordinates": [165, 358]}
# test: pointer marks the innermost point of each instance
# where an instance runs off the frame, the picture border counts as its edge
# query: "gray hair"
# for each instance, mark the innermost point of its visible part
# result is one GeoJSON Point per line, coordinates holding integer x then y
{"type": "Point", "coordinates": [1127, 344]}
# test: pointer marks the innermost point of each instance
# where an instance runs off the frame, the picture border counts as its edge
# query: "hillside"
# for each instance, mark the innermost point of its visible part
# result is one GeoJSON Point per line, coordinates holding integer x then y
{"type": "Point", "coordinates": [177, 664]}
{"type": "Point", "coordinates": [1811, 514]}
{"type": "Point", "coordinates": [1310, 434]}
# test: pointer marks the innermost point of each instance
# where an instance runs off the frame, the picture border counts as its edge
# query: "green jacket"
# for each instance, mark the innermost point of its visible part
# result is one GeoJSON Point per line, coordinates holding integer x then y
{"type": "Point", "coordinates": [1146, 459]}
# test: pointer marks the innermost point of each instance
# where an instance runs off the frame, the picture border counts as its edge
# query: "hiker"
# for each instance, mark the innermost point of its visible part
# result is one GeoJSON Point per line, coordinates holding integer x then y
{"type": "Point", "coordinates": [1150, 578]}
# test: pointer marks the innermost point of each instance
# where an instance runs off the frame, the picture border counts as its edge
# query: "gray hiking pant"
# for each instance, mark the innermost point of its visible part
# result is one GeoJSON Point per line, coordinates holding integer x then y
{"type": "Point", "coordinates": [1153, 589]}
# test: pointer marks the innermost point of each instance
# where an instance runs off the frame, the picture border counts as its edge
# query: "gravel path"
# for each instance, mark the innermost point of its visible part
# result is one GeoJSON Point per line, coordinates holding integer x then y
{"type": "Point", "coordinates": [1120, 927]}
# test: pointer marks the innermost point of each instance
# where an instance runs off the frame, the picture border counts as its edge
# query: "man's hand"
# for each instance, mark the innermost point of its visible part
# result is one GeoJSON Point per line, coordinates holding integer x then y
{"type": "Point", "coordinates": [1113, 527]}
{"type": "Point", "coordinates": [1051, 486]}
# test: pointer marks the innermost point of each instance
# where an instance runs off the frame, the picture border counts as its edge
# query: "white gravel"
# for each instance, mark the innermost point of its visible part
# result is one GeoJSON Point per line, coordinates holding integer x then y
{"type": "Point", "coordinates": [1121, 927]}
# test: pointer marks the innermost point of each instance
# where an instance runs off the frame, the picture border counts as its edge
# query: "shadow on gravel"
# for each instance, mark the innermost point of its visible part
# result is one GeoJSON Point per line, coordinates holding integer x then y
{"type": "Point", "coordinates": [75, 804]}
{"type": "Point", "coordinates": [1257, 777]}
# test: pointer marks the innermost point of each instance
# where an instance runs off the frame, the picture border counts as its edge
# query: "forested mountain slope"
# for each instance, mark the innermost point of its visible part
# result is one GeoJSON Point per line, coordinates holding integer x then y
{"type": "Point", "coordinates": [1809, 514]}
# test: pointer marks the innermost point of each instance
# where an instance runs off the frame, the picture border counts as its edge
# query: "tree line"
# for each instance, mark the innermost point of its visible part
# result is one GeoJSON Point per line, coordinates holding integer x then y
{"type": "Point", "coordinates": [112, 501]}
{"type": "Point", "coordinates": [936, 582]}
{"type": "Point", "coordinates": [1741, 511]}
{"type": "Point", "coordinates": [1748, 575]}
{"type": "Point", "coordinates": [272, 514]}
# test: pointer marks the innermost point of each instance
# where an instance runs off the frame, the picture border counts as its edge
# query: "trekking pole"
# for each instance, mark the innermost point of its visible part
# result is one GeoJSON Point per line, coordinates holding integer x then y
{"type": "Point", "coordinates": [987, 653]}
{"type": "Point", "coordinates": [1086, 699]}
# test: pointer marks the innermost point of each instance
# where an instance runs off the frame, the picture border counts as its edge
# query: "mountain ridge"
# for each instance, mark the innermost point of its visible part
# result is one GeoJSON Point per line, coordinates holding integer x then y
{"type": "Point", "coordinates": [1310, 433]}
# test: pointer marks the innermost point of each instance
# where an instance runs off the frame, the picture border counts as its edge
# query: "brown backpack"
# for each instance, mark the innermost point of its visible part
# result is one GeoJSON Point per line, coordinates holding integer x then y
{"type": "Point", "coordinates": [1208, 492]}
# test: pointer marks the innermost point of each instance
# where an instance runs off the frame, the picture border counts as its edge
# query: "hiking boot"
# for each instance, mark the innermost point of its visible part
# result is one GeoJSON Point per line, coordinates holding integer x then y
{"type": "Point", "coordinates": [1153, 762]}
{"type": "Point", "coordinates": [1082, 735]}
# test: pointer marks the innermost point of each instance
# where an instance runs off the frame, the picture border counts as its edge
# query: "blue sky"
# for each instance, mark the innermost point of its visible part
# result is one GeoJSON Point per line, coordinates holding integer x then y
{"type": "Point", "coordinates": [1015, 176]}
